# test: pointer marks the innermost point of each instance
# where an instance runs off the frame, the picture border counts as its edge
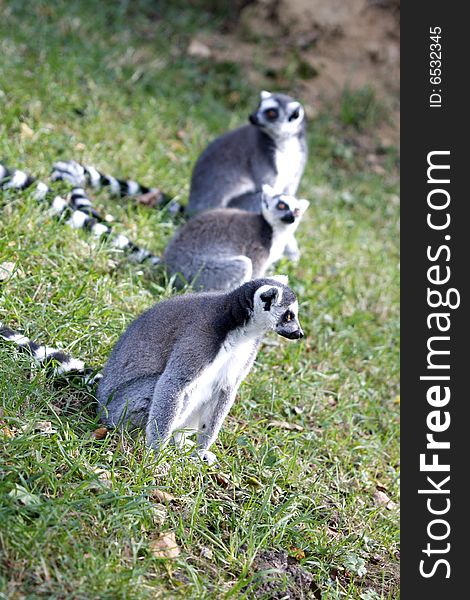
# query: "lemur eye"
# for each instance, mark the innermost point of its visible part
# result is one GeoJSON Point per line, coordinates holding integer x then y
{"type": "Point", "coordinates": [288, 316]}
{"type": "Point", "coordinates": [294, 115]}
{"type": "Point", "coordinates": [271, 114]}
{"type": "Point", "coordinates": [282, 205]}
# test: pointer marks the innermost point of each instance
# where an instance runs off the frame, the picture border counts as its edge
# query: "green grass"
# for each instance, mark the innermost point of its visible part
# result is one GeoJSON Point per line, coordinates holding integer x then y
{"type": "Point", "coordinates": [109, 84]}
{"type": "Point", "coordinates": [360, 108]}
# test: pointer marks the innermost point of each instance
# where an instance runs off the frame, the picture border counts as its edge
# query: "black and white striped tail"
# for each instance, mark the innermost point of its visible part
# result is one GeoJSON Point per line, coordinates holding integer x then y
{"type": "Point", "coordinates": [82, 175]}
{"type": "Point", "coordinates": [79, 210]}
{"type": "Point", "coordinates": [62, 364]}
{"type": "Point", "coordinates": [14, 179]}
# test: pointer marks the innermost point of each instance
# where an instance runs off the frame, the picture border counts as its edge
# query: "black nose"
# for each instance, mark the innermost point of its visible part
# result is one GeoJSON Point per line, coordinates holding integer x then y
{"type": "Point", "coordinates": [294, 335]}
{"type": "Point", "coordinates": [288, 218]}
{"type": "Point", "coordinates": [253, 119]}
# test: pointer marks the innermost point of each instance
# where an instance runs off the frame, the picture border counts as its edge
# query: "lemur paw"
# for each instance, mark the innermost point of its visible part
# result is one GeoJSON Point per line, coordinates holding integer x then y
{"type": "Point", "coordinates": [206, 456]}
{"type": "Point", "coordinates": [292, 255]}
{"type": "Point", "coordinates": [69, 170]}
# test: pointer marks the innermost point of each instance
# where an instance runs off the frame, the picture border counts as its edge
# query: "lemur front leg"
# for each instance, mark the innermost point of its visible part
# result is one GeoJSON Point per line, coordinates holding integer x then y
{"type": "Point", "coordinates": [164, 410]}
{"type": "Point", "coordinates": [217, 409]}
{"type": "Point", "coordinates": [210, 422]}
{"type": "Point", "coordinates": [291, 250]}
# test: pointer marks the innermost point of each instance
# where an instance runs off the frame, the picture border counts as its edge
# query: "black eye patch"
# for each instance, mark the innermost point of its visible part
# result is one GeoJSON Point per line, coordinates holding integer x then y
{"type": "Point", "coordinates": [294, 115]}
{"type": "Point", "coordinates": [282, 205]}
{"type": "Point", "coordinates": [271, 114]}
{"type": "Point", "coordinates": [288, 316]}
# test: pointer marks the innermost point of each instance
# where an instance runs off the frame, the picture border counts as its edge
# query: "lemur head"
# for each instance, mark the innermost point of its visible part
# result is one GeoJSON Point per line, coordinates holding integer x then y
{"type": "Point", "coordinates": [275, 307]}
{"type": "Point", "coordinates": [278, 115]}
{"type": "Point", "coordinates": [281, 211]}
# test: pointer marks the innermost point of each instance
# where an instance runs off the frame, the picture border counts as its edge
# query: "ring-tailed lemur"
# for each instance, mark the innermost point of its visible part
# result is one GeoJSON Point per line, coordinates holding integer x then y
{"type": "Point", "coordinates": [79, 210]}
{"type": "Point", "coordinates": [179, 365]}
{"type": "Point", "coordinates": [271, 149]}
{"type": "Point", "coordinates": [62, 363]}
{"type": "Point", "coordinates": [222, 248]}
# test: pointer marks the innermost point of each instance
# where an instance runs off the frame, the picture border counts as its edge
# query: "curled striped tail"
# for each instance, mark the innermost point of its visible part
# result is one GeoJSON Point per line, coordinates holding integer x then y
{"type": "Point", "coordinates": [62, 364]}
{"type": "Point", "coordinates": [79, 210]}
{"type": "Point", "coordinates": [82, 175]}
{"type": "Point", "coordinates": [84, 216]}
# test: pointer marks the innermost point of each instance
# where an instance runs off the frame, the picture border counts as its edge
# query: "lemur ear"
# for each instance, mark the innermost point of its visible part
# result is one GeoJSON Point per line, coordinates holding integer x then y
{"type": "Point", "coordinates": [303, 205]}
{"type": "Point", "coordinates": [268, 190]}
{"type": "Point", "coordinates": [269, 296]}
{"type": "Point", "coordinates": [295, 110]}
{"type": "Point", "coordinates": [265, 95]}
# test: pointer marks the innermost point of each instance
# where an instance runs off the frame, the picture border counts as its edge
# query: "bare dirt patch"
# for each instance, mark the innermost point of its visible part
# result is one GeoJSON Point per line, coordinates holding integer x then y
{"type": "Point", "coordinates": [281, 576]}
{"type": "Point", "coordinates": [316, 49]}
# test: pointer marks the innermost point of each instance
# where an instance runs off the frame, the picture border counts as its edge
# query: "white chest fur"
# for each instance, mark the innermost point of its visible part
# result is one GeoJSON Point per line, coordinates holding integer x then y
{"type": "Point", "coordinates": [289, 159]}
{"type": "Point", "coordinates": [225, 372]}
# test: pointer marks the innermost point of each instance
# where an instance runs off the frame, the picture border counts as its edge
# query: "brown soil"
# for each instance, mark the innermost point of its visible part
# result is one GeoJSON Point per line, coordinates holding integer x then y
{"type": "Point", "coordinates": [316, 49]}
{"type": "Point", "coordinates": [280, 577]}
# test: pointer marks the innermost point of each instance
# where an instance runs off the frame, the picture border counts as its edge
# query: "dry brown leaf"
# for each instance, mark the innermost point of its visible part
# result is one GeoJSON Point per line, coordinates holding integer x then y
{"type": "Point", "coordinates": [6, 431]}
{"type": "Point", "coordinates": [165, 546]}
{"type": "Point", "coordinates": [161, 496]}
{"type": "Point", "coordinates": [100, 433]}
{"type": "Point", "coordinates": [44, 427]}
{"type": "Point", "coordinates": [207, 553]}
{"type": "Point", "coordinates": [177, 145]}
{"type": "Point", "coordinates": [6, 270]}
{"type": "Point", "coordinates": [152, 198]}
{"type": "Point", "coordinates": [234, 97]}
{"type": "Point", "coordinates": [222, 480]}
{"type": "Point", "coordinates": [332, 532]}
{"type": "Point", "coordinates": [286, 425]}
{"type": "Point", "coordinates": [297, 553]}
{"type": "Point", "coordinates": [198, 49]}
{"type": "Point", "coordinates": [26, 131]}
{"type": "Point", "coordinates": [381, 499]}
{"type": "Point", "coordinates": [380, 486]}
{"type": "Point", "coordinates": [103, 475]}
{"type": "Point", "coordinates": [159, 514]}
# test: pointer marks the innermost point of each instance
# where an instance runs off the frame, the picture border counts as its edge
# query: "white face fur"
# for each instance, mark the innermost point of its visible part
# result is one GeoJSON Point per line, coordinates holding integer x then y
{"type": "Point", "coordinates": [271, 312]}
{"type": "Point", "coordinates": [281, 211]}
{"type": "Point", "coordinates": [279, 119]}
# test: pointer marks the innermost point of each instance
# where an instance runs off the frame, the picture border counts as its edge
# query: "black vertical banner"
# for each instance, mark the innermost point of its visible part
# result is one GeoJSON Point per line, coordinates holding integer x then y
{"type": "Point", "coordinates": [435, 254]}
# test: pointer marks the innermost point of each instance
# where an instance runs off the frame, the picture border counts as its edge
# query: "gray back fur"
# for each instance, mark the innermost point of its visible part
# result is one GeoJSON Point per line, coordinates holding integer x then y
{"type": "Point", "coordinates": [145, 349]}
{"type": "Point", "coordinates": [204, 249]}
